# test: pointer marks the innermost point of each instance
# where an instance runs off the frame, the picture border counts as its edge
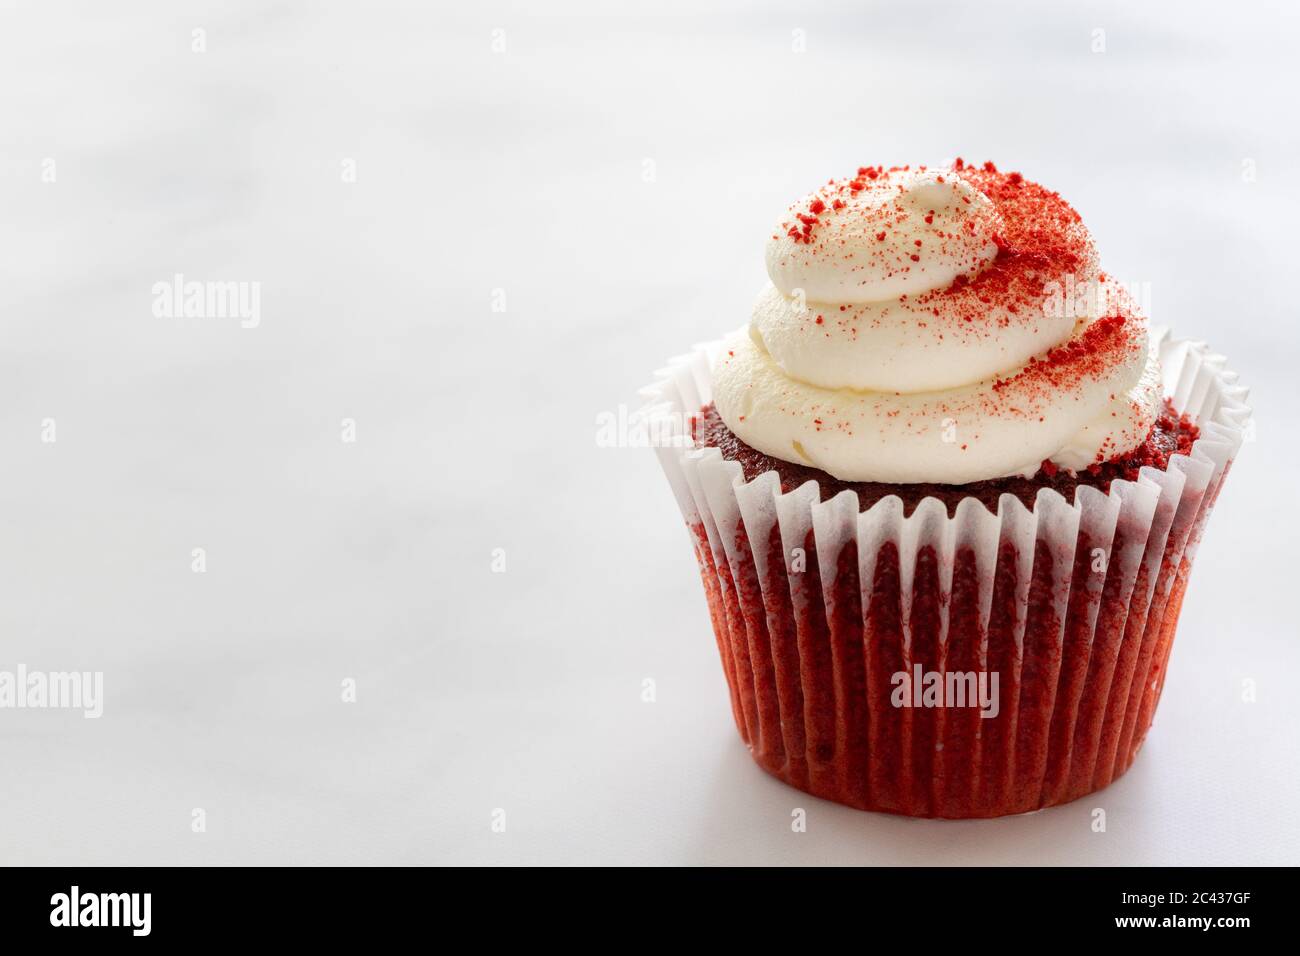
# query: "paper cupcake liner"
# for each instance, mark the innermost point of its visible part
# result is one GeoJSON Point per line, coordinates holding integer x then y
{"type": "Point", "coordinates": [818, 608]}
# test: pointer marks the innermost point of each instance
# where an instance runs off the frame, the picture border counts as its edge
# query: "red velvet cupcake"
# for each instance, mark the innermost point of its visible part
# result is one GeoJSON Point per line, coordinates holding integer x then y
{"type": "Point", "coordinates": [944, 492]}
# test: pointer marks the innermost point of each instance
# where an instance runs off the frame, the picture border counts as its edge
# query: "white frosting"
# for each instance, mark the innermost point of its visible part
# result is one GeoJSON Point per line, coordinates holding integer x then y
{"type": "Point", "coordinates": [873, 366]}
{"type": "Point", "coordinates": [897, 346]}
{"type": "Point", "coordinates": [1128, 414]}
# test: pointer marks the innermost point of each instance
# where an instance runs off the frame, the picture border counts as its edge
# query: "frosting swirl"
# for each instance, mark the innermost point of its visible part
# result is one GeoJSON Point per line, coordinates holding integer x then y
{"type": "Point", "coordinates": [924, 325]}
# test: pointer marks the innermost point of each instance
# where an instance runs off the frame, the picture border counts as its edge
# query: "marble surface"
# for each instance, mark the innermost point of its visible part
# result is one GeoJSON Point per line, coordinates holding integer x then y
{"type": "Point", "coordinates": [393, 175]}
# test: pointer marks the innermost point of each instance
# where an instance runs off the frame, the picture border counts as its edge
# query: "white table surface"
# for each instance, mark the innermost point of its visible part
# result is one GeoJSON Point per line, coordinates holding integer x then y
{"type": "Point", "coordinates": [522, 170]}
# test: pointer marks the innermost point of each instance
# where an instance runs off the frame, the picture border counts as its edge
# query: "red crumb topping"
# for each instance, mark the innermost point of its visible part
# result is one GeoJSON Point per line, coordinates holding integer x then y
{"type": "Point", "coordinates": [1041, 240]}
{"type": "Point", "coordinates": [1087, 356]}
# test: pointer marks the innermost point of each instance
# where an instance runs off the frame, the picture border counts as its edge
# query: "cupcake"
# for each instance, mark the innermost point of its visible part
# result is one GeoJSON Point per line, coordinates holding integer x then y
{"type": "Point", "coordinates": [944, 490]}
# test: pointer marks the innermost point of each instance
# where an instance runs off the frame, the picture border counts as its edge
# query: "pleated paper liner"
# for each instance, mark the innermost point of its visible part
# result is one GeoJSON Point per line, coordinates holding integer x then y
{"type": "Point", "coordinates": [816, 607]}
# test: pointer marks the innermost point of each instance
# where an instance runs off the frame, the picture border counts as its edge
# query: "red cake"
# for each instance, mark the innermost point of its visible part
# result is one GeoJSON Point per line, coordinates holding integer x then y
{"type": "Point", "coordinates": [1172, 434]}
{"type": "Point", "coordinates": [943, 502]}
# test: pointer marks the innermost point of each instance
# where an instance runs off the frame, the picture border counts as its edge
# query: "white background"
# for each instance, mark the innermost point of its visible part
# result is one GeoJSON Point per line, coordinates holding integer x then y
{"type": "Point", "coordinates": [523, 171]}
